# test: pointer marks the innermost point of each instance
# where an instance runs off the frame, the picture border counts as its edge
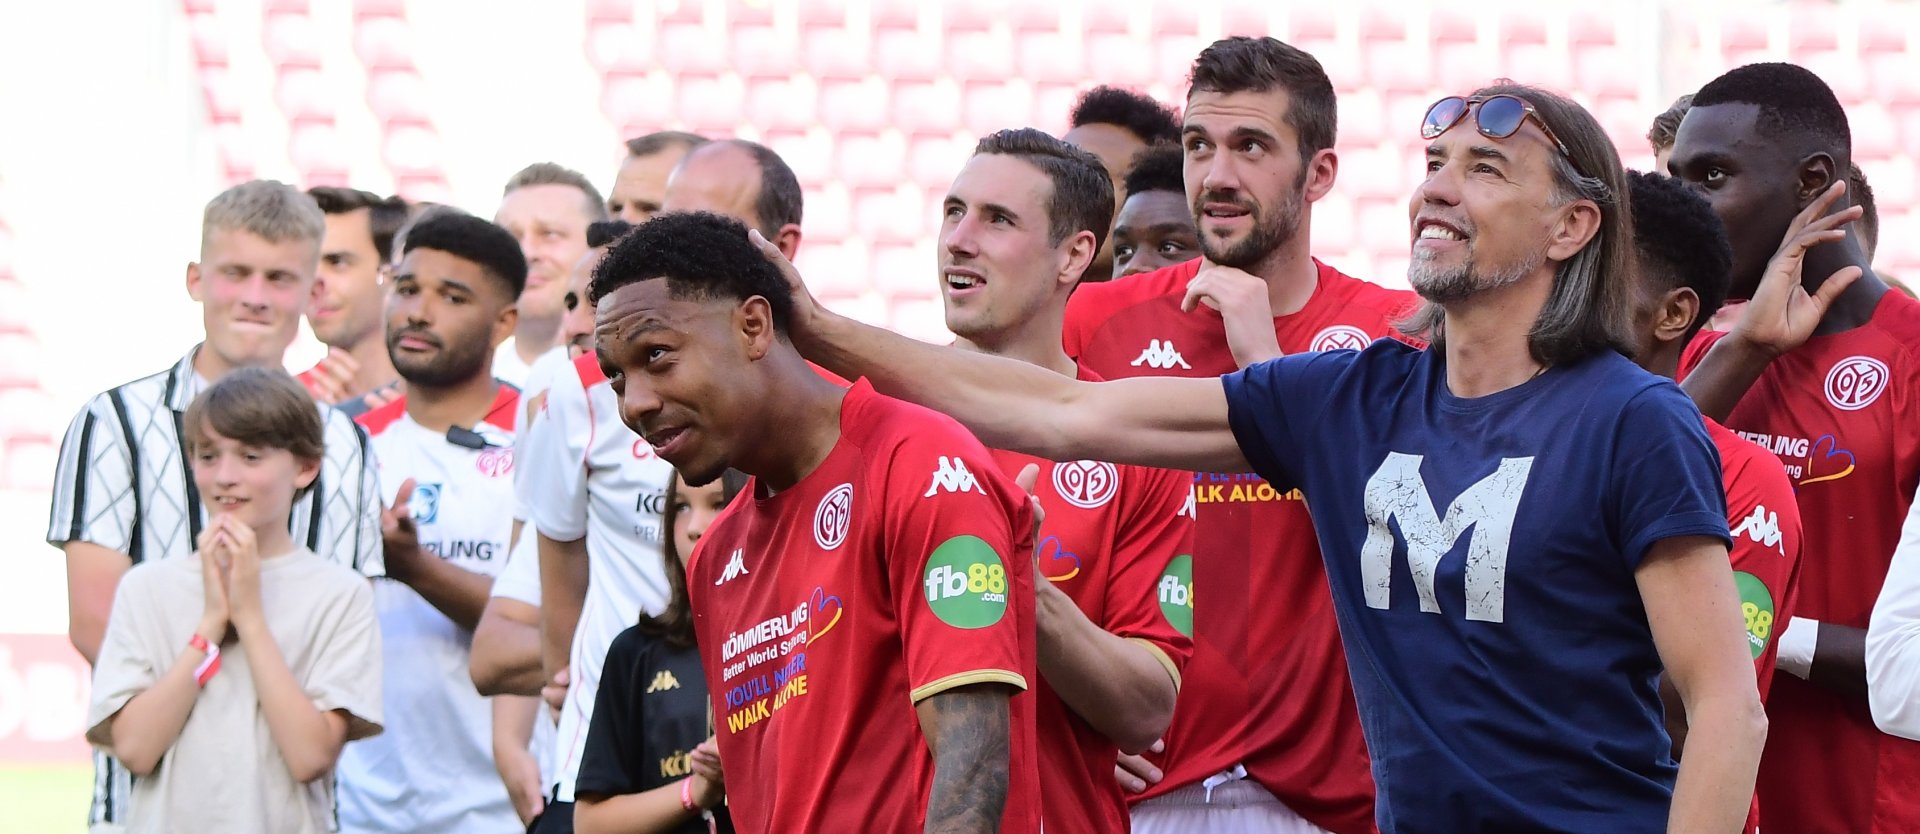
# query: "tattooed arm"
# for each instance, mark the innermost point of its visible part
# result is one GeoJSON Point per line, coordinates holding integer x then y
{"type": "Point", "coordinates": [967, 729]}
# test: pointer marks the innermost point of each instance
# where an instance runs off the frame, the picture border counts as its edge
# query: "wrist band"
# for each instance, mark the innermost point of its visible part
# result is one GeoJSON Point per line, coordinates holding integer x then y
{"type": "Point", "coordinates": [209, 664]}
{"type": "Point", "coordinates": [686, 795]}
{"type": "Point", "coordinates": [1793, 648]}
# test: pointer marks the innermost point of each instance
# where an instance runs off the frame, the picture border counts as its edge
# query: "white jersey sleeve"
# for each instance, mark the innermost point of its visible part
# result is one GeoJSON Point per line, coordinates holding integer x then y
{"type": "Point", "coordinates": [553, 472]}
{"type": "Point", "coordinates": [519, 579]}
{"type": "Point", "coordinates": [1893, 639]}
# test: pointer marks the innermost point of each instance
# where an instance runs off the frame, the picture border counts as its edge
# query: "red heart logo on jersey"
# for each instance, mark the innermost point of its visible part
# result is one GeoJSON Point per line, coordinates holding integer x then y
{"type": "Point", "coordinates": [820, 602]}
{"type": "Point", "coordinates": [1834, 462]}
{"type": "Point", "coordinates": [1054, 561]}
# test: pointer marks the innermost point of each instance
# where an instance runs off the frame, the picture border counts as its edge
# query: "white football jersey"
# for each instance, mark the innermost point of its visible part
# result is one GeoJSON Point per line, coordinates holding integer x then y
{"type": "Point", "coordinates": [586, 474]}
{"type": "Point", "coordinates": [432, 770]}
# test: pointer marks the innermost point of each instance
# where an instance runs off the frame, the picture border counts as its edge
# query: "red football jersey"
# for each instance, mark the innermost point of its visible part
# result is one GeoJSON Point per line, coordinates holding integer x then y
{"type": "Point", "coordinates": [1111, 533]}
{"type": "Point", "coordinates": [1267, 685]}
{"type": "Point", "coordinates": [1840, 413]}
{"type": "Point", "coordinates": [898, 569]}
{"type": "Point", "coordinates": [1765, 522]}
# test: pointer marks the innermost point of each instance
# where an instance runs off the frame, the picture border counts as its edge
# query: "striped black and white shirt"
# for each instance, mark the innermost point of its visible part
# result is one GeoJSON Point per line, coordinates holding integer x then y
{"type": "Point", "coordinates": [125, 483]}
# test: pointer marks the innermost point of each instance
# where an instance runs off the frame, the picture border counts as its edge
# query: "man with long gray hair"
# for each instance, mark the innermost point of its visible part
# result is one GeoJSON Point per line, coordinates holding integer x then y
{"type": "Point", "coordinates": [1521, 528]}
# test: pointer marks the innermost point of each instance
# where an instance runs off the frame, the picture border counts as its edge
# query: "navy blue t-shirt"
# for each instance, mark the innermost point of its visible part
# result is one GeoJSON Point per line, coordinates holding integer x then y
{"type": "Point", "coordinates": [1481, 554]}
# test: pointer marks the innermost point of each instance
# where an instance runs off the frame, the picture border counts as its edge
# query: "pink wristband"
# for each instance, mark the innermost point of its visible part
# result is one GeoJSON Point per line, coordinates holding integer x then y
{"type": "Point", "coordinates": [208, 665]}
{"type": "Point", "coordinates": [686, 795]}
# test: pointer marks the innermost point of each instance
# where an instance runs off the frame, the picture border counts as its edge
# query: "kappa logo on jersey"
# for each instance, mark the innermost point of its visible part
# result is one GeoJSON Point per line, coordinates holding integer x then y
{"type": "Point", "coordinates": [1162, 356]}
{"type": "Point", "coordinates": [1763, 527]}
{"type": "Point", "coordinates": [425, 504]}
{"type": "Point", "coordinates": [1340, 337]}
{"type": "Point", "coordinates": [952, 476]}
{"type": "Point", "coordinates": [736, 568]}
{"type": "Point", "coordinates": [1187, 507]}
{"type": "Point", "coordinates": [663, 681]}
{"type": "Point", "coordinates": [494, 461]}
{"type": "Point", "coordinates": [832, 518]}
{"type": "Point", "coordinates": [1856, 382]}
{"type": "Point", "coordinates": [1087, 484]}
{"type": "Point", "coordinates": [1398, 492]}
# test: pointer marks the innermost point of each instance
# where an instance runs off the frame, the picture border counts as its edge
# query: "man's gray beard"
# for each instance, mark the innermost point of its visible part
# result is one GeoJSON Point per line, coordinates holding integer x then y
{"type": "Point", "coordinates": [1448, 285]}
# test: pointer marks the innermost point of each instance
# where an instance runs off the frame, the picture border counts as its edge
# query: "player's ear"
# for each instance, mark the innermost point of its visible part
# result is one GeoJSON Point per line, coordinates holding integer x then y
{"type": "Point", "coordinates": [787, 240]}
{"type": "Point", "coordinates": [1080, 250]}
{"type": "Point", "coordinates": [754, 321]}
{"type": "Point", "coordinates": [505, 323]}
{"type": "Point", "coordinates": [193, 281]}
{"type": "Point", "coordinates": [1676, 314]}
{"type": "Point", "coordinates": [1816, 173]}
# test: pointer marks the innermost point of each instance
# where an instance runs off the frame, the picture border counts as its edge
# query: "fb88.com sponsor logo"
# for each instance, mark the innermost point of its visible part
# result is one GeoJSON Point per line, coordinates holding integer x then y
{"type": "Point", "coordinates": [966, 583]}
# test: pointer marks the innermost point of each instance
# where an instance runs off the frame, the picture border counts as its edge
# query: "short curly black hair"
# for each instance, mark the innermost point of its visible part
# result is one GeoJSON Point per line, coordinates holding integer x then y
{"type": "Point", "coordinates": [1138, 113]}
{"type": "Point", "coordinates": [1795, 105]}
{"type": "Point", "coordinates": [1681, 242]}
{"type": "Point", "coordinates": [1161, 167]}
{"type": "Point", "coordinates": [701, 255]}
{"type": "Point", "coordinates": [470, 238]}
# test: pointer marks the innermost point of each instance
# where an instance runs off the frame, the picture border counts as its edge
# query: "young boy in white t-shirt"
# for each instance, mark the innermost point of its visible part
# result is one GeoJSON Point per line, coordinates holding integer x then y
{"type": "Point", "coordinates": [229, 681]}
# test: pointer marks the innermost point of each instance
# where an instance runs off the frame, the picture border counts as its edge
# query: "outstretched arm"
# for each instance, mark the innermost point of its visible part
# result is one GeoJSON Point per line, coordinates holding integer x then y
{"type": "Point", "coordinates": [1164, 422]}
{"type": "Point", "coordinates": [968, 731]}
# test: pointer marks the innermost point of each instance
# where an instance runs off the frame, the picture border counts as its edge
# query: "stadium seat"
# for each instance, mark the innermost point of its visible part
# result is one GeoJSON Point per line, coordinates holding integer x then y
{"type": "Point", "coordinates": [854, 105]}
{"type": "Point", "coordinates": [980, 56]}
{"type": "Point", "coordinates": [1344, 65]}
{"type": "Point", "coordinates": [920, 318]}
{"type": "Point", "coordinates": [1452, 26]}
{"type": "Point", "coordinates": [638, 99]}
{"type": "Point", "coordinates": [28, 463]}
{"type": "Point", "coordinates": [1463, 67]}
{"type": "Point", "coordinates": [209, 40]}
{"type": "Point", "coordinates": [384, 43]}
{"type": "Point", "coordinates": [823, 13]}
{"type": "Point", "coordinates": [316, 151]}
{"type": "Point", "coordinates": [1812, 29]}
{"type": "Point", "coordinates": [1519, 28]}
{"type": "Point", "coordinates": [834, 54]}
{"type": "Point", "coordinates": [1397, 67]}
{"type": "Point", "coordinates": [291, 41]}
{"type": "Point", "coordinates": [972, 16]}
{"type": "Point", "coordinates": [829, 213]}
{"type": "Point", "coordinates": [1121, 60]}
{"type": "Point", "coordinates": [762, 52]}
{"type": "Point", "coordinates": [19, 358]}
{"type": "Point", "coordinates": [395, 95]}
{"type": "Point", "coordinates": [24, 409]}
{"type": "Point", "coordinates": [599, 11]}
{"type": "Point", "coordinates": [906, 55]}
{"type": "Point", "coordinates": [926, 107]}
{"type": "Point", "coordinates": [833, 270]}
{"type": "Point", "coordinates": [615, 46]}
{"type": "Point", "coordinates": [1333, 226]}
{"type": "Point", "coordinates": [895, 14]}
{"type": "Point", "coordinates": [1175, 18]}
{"type": "Point", "coordinates": [1252, 18]}
{"type": "Point", "coordinates": [783, 103]}
{"type": "Point", "coordinates": [412, 149]}
{"type": "Point", "coordinates": [1843, 72]}
{"type": "Point", "coordinates": [1050, 58]}
{"type": "Point", "coordinates": [1053, 108]}
{"type": "Point", "coordinates": [221, 93]}
{"type": "Point", "coordinates": [903, 270]}
{"type": "Point", "coordinates": [870, 161]}
{"type": "Point", "coordinates": [809, 153]}
{"type": "Point", "coordinates": [687, 48]}
{"type": "Point", "coordinates": [712, 105]}
{"type": "Point", "coordinates": [1594, 27]}
{"type": "Point", "coordinates": [304, 95]}
{"type": "Point", "coordinates": [1895, 79]}
{"type": "Point", "coordinates": [1360, 121]}
{"type": "Point", "coordinates": [1873, 129]}
{"type": "Point", "coordinates": [1608, 71]}
{"type": "Point", "coordinates": [1385, 226]}
{"type": "Point", "coordinates": [1541, 66]}
{"type": "Point", "coordinates": [1886, 29]}
{"type": "Point", "coordinates": [986, 108]}
{"type": "Point", "coordinates": [934, 160]}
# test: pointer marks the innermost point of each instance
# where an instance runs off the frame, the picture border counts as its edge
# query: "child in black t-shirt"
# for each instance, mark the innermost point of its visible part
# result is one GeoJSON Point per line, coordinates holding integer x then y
{"type": "Point", "coordinates": [650, 763]}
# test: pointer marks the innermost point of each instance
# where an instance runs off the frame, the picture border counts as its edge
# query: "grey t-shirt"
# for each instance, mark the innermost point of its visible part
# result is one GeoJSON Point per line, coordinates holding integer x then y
{"type": "Point", "coordinates": [225, 773]}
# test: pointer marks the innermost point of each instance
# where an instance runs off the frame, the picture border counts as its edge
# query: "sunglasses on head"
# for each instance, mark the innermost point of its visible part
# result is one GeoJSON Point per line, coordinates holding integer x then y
{"type": "Point", "coordinates": [1496, 117]}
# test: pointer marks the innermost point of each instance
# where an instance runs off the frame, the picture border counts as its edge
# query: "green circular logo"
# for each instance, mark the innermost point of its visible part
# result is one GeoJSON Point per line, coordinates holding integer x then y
{"type": "Point", "coordinates": [966, 583]}
{"type": "Point", "coordinates": [1176, 594]}
{"type": "Point", "coordinates": [1756, 605]}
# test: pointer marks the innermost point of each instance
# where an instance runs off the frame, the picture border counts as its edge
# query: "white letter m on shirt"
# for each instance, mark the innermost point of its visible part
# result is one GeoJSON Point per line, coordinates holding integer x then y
{"type": "Point", "coordinates": [1397, 492]}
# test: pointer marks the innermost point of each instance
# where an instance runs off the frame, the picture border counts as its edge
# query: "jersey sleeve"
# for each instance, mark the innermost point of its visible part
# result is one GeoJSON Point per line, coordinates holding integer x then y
{"type": "Point", "coordinates": [1765, 520]}
{"type": "Point", "coordinates": [93, 492]}
{"type": "Point", "coordinates": [950, 532]}
{"type": "Point", "coordinates": [519, 578]}
{"type": "Point", "coordinates": [1665, 477]}
{"type": "Point", "coordinates": [553, 463]}
{"type": "Point", "coordinates": [346, 667]}
{"type": "Point", "coordinates": [1697, 350]}
{"type": "Point", "coordinates": [1272, 405]}
{"type": "Point", "coordinates": [125, 666]}
{"type": "Point", "coordinates": [1151, 534]}
{"type": "Point", "coordinates": [1893, 638]}
{"type": "Point", "coordinates": [610, 764]}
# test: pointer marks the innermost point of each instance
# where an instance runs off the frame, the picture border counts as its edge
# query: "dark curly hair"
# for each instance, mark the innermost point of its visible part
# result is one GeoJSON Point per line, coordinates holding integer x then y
{"type": "Point", "coordinates": [1138, 113]}
{"type": "Point", "coordinates": [1161, 167]}
{"type": "Point", "coordinates": [1680, 241]}
{"type": "Point", "coordinates": [470, 238]}
{"type": "Point", "coordinates": [1795, 106]}
{"type": "Point", "coordinates": [603, 232]}
{"type": "Point", "coordinates": [701, 255]}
